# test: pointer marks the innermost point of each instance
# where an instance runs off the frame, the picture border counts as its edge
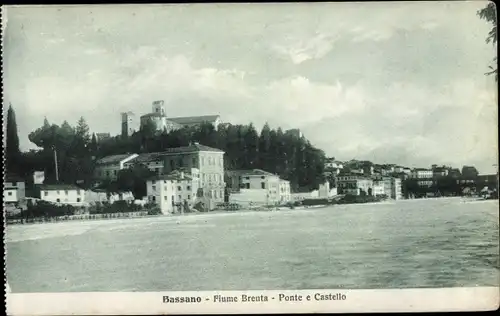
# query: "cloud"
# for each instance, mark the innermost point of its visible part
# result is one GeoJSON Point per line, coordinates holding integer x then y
{"type": "Point", "coordinates": [301, 50]}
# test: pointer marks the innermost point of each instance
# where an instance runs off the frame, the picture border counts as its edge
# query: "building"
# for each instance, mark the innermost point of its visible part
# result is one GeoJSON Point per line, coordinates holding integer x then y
{"type": "Point", "coordinates": [295, 132]}
{"type": "Point", "coordinates": [195, 121]}
{"type": "Point", "coordinates": [60, 193]}
{"type": "Point", "coordinates": [209, 161]}
{"type": "Point", "coordinates": [152, 161]}
{"type": "Point", "coordinates": [107, 168]}
{"type": "Point", "coordinates": [176, 192]}
{"type": "Point", "coordinates": [393, 187]}
{"type": "Point", "coordinates": [325, 192]}
{"type": "Point", "coordinates": [378, 188]}
{"type": "Point", "coordinates": [100, 137]}
{"type": "Point", "coordinates": [421, 173]}
{"type": "Point", "coordinates": [354, 184]}
{"type": "Point", "coordinates": [14, 190]}
{"type": "Point", "coordinates": [439, 172]}
{"type": "Point", "coordinates": [129, 124]}
{"type": "Point", "coordinates": [262, 186]}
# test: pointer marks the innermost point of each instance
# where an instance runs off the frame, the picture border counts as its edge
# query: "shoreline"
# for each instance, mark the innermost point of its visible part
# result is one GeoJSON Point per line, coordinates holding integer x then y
{"type": "Point", "coordinates": [240, 211]}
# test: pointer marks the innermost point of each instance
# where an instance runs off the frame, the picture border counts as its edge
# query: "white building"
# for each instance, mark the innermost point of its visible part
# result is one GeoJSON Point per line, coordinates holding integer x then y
{"type": "Point", "coordinates": [263, 187]}
{"type": "Point", "coordinates": [107, 168]}
{"type": "Point", "coordinates": [325, 191]}
{"type": "Point", "coordinates": [173, 192]}
{"type": "Point", "coordinates": [379, 189]}
{"type": "Point", "coordinates": [14, 190]}
{"type": "Point", "coordinates": [420, 173]}
{"type": "Point", "coordinates": [93, 196]}
{"type": "Point", "coordinates": [61, 193]}
{"type": "Point", "coordinates": [300, 196]}
{"type": "Point", "coordinates": [393, 188]}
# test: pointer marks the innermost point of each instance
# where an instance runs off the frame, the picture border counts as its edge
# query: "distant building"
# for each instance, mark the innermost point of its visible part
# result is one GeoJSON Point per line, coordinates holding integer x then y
{"type": "Point", "coordinates": [14, 190]}
{"type": "Point", "coordinates": [60, 193]}
{"type": "Point", "coordinates": [421, 173]}
{"type": "Point", "coordinates": [393, 188]}
{"type": "Point", "coordinates": [100, 137]}
{"type": "Point", "coordinates": [194, 121]}
{"type": "Point", "coordinates": [439, 172]}
{"type": "Point", "coordinates": [489, 181]}
{"type": "Point", "coordinates": [107, 168]}
{"type": "Point", "coordinates": [295, 132]}
{"type": "Point", "coordinates": [354, 184]}
{"type": "Point", "coordinates": [176, 192]}
{"type": "Point", "coordinates": [325, 191]}
{"type": "Point", "coordinates": [129, 124]}
{"type": "Point", "coordinates": [469, 172]}
{"type": "Point", "coordinates": [38, 177]}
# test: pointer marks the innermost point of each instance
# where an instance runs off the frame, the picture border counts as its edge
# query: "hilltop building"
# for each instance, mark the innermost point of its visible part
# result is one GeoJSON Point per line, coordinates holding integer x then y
{"type": "Point", "coordinates": [14, 190]}
{"type": "Point", "coordinates": [129, 124]}
{"type": "Point", "coordinates": [194, 121]}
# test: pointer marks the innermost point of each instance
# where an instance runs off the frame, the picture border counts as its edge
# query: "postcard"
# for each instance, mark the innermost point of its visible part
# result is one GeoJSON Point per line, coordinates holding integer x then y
{"type": "Point", "coordinates": [250, 158]}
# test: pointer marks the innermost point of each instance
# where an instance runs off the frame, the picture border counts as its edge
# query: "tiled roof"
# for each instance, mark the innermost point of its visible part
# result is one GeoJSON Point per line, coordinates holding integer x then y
{"type": "Point", "coordinates": [112, 159]}
{"type": "Point", "coordinates": [172, 176]}
{"type": "Point", "coordinates": [189, 149]}
{"type": "Point", "coordinates": [258, 172]}
{"type": "Point", "coordinates": [194, 119]}
{"type": "Point", "coordinates": [147, 157]}
{"type": "Point", "coordinates": [49, 187]}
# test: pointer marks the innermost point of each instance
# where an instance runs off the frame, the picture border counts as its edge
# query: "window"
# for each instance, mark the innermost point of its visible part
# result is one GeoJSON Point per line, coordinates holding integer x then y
{"type": "Point", "coordinates": [215, 194]}
{"type": "Point", "coordinates": [202, 161]}
{"type": "Point", "coordinates": [10, 193]}
{"type": "Point", "coordinates": [58, 200]}
{"type": "Point", "coordinates": [194, 161]}
{"type": "Point", "coordinates": [154, 187]}
{"type": "Point", "coordinates": [180, 198]}
{"type": "Point", "coordinates": [78, 192]}
{"type": "Point", "coordinates": [153, 198]}
{"type": "Point", "coordinates": [179, 188]}
{"type": "Point", "coordinates": [58, 192]}
{"type": "Point", "coordinates": [165, 198]}
{"type": "Point", "coordinates": [263, 184]}
{"type": "Point", "coordinates": [66, 192]}
{"type": "Point", "coordinates": [262, 177]}
{"type": "Point", "coordinates": [114, 172]}
{"type": "Point", "coordinates": [247, 185]}
{"type": "Point", "coordinates": [188, 188]}
{"type": "Point", "coordinates": [153, 182]}
{"type": "Point", "coordinates": [189, 197]}
{"type": "Point", "coordinates": [78, 199]}
{"type": "Point", "coordinates": [45, 193]}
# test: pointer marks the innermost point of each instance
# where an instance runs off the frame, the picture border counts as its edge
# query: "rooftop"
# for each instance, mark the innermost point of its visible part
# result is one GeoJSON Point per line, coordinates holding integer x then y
{"type": "Point", "coordinates": [49, 187]}
{"type": "Point", "coordinates": [113, 159]}
{"type": "Point", "coordinates": [189, 149]}
{"type": "Point", "coordinates": [194, 119]}
{"type": "Point", "coordinates": [255, 172]}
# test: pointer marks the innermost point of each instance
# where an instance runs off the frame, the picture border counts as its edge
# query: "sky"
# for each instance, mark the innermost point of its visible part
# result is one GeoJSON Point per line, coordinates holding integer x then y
{"type": "Point", "coordinates": [388, 82]}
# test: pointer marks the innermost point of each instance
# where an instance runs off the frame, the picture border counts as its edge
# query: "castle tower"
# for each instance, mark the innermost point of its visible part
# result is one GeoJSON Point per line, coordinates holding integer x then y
{"type": "Point", "coordinates": [128, 124]}
{"type": "Point", "coordinates": [159, 107]}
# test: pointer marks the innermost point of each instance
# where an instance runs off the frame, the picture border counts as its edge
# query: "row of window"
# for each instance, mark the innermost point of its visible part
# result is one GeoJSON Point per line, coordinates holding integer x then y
{"type": "Point", "coordinates": [179, 188]}
{"type": "Point", "coordinates": [66, 192]}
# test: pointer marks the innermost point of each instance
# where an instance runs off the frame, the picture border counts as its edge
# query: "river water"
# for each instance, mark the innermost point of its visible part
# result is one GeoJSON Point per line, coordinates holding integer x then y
{"type": "Point", "coordinates": [403, 244]}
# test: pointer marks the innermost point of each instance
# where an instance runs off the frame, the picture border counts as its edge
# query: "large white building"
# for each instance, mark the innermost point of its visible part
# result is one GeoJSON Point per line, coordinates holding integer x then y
{"type": "Point", "coordinates": [259, 186]}
{"type": "Point", "coordinates": [61, 193]}
{"type": "Point", "coordinates": [107, 168]}
{"type": "Point", "coordinates": [175, 192]}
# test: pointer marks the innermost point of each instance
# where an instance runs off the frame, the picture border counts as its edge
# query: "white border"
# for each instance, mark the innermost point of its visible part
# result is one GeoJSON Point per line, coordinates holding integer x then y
{"type": "Point", "coordinates": [141, 303]}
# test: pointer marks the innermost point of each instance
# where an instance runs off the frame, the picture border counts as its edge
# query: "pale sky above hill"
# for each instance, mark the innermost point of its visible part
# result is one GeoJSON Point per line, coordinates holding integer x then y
{"type": "Point", "coordinates": [389, 82]}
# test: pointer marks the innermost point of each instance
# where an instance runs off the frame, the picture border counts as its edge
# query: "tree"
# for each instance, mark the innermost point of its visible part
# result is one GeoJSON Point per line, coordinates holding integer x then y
{"type": "Point", "coordinates": [12, 143]}
{"type": "Point", "coordinates": [93, 144]}
{"type": "Point", "coordinates": [489, 14]}
{"type": "Point", "coordinates": [82, 138]}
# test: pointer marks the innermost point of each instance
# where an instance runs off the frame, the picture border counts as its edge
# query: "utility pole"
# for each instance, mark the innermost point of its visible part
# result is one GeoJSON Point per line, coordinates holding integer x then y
{"type": "Point", "coordinates": [55, 162]}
